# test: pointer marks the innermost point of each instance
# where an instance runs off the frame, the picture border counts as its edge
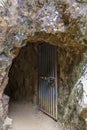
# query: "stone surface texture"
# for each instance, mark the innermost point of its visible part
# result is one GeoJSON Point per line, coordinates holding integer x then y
{"type": "Point", "coordinates": [59, 22]}
{"type": "Point", "coordinates": [78, 97]}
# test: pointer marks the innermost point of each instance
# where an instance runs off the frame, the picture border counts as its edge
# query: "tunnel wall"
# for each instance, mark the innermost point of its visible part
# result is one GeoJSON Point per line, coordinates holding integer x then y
{"type": "Point", "coordinates": [23, 75]}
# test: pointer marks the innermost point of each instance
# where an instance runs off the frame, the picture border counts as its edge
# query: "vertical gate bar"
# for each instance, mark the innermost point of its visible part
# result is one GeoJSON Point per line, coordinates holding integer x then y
{"type": "Point", "coordinates": [47, 97]}
{"type": "Point", "coordinates": [41, 73]}
{"type": "Point", "coordinates": [43, 59]}
{"type": "Point", "coordinates": [52, 87]}
{"type": "Point", "coordinates": [49, 86]}
{"type": "Point", "coordinates": [47, 79]}
{"type": "Point", "coordinates": [51, 56]}
{"type": "Point", "coordinates": [53, 76]}
{"type": "Point", "coordinates": [50, 76]}
{"type": "Point", "coordinates": [45, 64]}
{"type": "Point", "coordinates": [56, 83]}
{"type": "Point", "coordinates": [39, 77]}
{"type": "Point", "coordinates": [50, 105]}
{"type": "Point", "coordinates": [44, 70]}
{"type": "Point", "coordinates": [43, 76]}
{"type": "Point", "coordinates": [42, 51]}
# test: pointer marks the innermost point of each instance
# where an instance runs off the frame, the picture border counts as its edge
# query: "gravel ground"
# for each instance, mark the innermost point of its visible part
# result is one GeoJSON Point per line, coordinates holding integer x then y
{"type": "Point", "coordinates": [26, 116]}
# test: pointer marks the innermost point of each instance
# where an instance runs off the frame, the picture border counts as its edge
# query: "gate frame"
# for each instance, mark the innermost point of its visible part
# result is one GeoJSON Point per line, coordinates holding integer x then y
{"type": "Point", "coordinates": [56, 84]}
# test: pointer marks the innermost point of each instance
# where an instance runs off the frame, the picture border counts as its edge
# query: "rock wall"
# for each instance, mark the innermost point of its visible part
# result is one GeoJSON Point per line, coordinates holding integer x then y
{"type": "Point", "coordinates": [75, 111]}
{"type": "Point", "coordinates": [59, 22]}
{"type": "Point", "coordinates": [70, 71]}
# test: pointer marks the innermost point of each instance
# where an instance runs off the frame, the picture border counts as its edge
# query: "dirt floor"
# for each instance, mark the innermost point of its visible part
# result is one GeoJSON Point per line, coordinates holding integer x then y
{"type": "Point", "coordinates": [26, 116]}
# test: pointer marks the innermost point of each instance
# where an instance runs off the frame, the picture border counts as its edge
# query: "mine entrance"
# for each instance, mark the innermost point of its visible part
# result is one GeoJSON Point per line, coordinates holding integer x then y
{"type": "Point", "coordinates": [33, 80]}
{"type": "Point", "coordinates": [48, 79]}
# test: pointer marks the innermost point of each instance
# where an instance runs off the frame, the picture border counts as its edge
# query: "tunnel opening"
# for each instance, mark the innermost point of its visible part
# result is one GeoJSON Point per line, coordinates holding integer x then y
{"type": "Point", "coordinates": [23, 85]}
{"type": "Point", "coordinates": [23, 74]}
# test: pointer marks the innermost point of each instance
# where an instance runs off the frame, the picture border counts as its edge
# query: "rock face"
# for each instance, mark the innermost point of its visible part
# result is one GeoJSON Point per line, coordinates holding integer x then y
{"type": "Point", "coordinates": [4, 113]}
{"type": "Point", "coordinates": [77, 102]}
{"type": "Point", "coordinates": [82, 90]}
{"type": "Point", "coordinates": [7, 121]}
{"type": "Point", "coordinates": [7, 124]}
{"type": "Point", "coordinates": [59, 22]}
{"type": "Point", "coordinates": [5, 100]}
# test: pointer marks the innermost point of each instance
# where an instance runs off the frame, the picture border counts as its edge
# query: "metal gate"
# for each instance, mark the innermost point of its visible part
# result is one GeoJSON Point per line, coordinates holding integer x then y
{"type": "Point", "coordinates": [48, 79]}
